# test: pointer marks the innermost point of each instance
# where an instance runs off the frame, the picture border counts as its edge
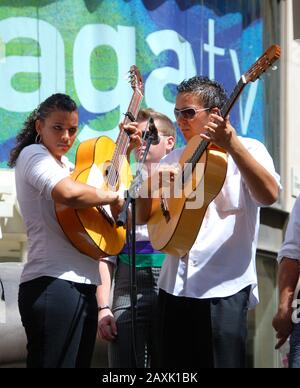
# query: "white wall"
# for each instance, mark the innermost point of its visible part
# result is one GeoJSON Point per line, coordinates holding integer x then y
{"type": "Point", "coordinates": [12, 232]}
{"type": "Point", "coordinates": [290, 107]}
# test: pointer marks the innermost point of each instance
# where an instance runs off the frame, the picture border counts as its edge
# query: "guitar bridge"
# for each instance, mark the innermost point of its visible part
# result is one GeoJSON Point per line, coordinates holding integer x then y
{"type": "Point", "coordinates": [165, 209]}
{"type": "Point", "coordinates": [105, 214]}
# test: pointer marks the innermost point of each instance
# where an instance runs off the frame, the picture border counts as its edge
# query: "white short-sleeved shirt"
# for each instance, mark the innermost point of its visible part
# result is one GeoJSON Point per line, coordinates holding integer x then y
{"type": "Point", "coordinates": [49, 251]}
{"type": "Point", "coordinates": [222, 260]}
{"type": "Point", "coordinates": [291, 245]}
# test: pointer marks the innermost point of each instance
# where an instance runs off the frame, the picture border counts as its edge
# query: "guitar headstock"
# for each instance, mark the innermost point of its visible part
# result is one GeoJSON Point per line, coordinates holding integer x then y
{"type": "Point", "coordinates": [136, 79]}
{"type": "Point", "coordinates": [263, 63]}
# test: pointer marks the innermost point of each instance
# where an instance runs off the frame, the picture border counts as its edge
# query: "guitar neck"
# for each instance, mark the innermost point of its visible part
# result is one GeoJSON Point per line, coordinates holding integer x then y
{"type": "Point", "coordinates": [224, 112]}
{"type": "Point", "coordinates": [130, 115]}
{"type": "Point", "coordinates": [123, 139]}
{"type": "Point", "coordinates": [233, 97]}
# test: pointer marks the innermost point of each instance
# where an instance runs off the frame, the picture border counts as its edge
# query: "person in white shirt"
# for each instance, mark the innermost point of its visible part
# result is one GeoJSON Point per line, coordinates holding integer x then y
{"type": "Point", "coordinates": [115, 324]}
{"type": "Point", "coordinates": [286, 322]}
{"type": "Point", "coordinates": [57, 300]}
{"type": "Point", "coordinates": [204, 296]}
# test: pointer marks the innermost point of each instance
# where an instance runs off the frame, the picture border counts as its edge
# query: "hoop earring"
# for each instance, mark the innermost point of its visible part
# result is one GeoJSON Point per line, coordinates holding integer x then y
{"type": "Point", "coordinates": [38, 139]}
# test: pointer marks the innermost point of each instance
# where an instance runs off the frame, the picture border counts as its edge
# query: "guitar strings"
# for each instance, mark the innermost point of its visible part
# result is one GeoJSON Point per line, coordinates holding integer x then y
{"type": "Point", "coordinates": [122, 145]}
{"type": "Point", "coordinates": [204, 144]}
{"type": "Point", "coordinates": [120, 148]}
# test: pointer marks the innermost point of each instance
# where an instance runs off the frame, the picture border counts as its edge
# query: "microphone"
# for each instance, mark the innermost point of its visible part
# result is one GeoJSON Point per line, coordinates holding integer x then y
{"type": "Point", "coordinates": [153, 132]}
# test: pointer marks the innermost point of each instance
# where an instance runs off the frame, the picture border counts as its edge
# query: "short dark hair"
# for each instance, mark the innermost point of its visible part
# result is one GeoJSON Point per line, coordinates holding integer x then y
{"type": "Point", "coordinates": [211, 94]}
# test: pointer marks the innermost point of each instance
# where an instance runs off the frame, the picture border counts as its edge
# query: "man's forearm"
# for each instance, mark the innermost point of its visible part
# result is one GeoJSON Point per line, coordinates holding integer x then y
{"type": "Point", "coordinates": [103, 290]}
{"type": "Point", "coordinates": [288, 276]}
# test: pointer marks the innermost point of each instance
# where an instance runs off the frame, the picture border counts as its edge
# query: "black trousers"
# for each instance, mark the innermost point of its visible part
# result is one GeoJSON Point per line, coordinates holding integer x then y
{"type": "Point", "coordinates": [60, 320]}
{"type": "Point", "coordinates": [203, 333]}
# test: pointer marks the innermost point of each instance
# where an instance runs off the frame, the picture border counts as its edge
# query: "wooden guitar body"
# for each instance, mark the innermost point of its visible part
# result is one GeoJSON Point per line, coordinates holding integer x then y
{"type": "Point", "coordinates": [175, 222]}
{"type": "Point", "coordinates": [92, 230]}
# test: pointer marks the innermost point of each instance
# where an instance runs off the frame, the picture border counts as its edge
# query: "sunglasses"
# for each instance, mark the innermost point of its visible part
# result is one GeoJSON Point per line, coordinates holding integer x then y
{"type": "Point", "coordinates": [187, 113]}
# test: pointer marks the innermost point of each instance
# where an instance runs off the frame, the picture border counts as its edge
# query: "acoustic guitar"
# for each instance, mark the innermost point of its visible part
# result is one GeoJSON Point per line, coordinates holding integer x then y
{"type": "Point", "coordinates": [175, 220]}
{"type": "Point", "coordinates": [103, 164]}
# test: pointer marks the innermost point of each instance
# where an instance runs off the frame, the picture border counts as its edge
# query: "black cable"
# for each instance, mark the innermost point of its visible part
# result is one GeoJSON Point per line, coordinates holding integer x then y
{"type": "Point", "coordinates": [2, 291]}
{"type": "Point", "coordinates": [133, 292]}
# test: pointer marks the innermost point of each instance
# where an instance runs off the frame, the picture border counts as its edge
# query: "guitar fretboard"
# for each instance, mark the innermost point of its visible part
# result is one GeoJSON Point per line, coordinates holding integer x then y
{"type": "Point", "coordinates": [191, 163]}
{"type": "Point", "coordinates": [123, 140]}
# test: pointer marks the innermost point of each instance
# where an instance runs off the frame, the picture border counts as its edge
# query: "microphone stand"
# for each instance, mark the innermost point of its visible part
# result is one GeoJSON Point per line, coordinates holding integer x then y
{"type": "Point", "coordinates": [131, 195]}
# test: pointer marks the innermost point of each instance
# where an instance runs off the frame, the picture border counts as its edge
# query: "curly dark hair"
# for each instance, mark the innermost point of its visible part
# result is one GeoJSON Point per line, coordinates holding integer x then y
{"type": "Point", "coordinates": [211, 93]}
{"type": "Point", "coordinates": [27, 136]}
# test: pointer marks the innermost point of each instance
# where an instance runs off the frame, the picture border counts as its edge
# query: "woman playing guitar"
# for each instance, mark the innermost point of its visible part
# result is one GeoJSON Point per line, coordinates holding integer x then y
{"type": "Point", "coordinates": [57, 298]}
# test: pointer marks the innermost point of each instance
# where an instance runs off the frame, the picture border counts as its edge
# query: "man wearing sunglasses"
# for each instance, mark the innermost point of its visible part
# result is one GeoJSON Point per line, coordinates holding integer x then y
{"type": "Point", "coordinates": [204, 296]}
